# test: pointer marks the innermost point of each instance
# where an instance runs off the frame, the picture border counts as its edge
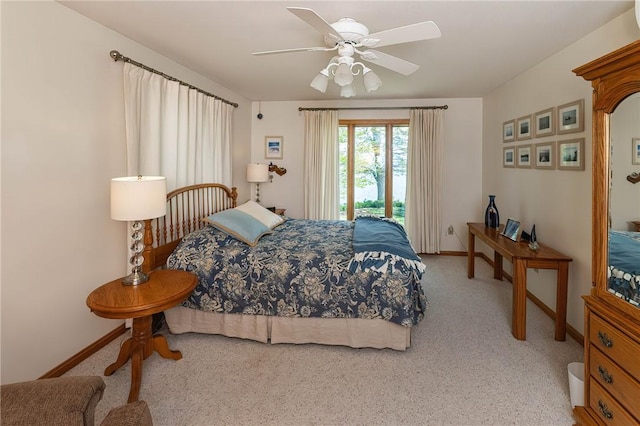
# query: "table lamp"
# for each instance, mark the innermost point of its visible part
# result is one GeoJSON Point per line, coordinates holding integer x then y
{"type": "Point", "coordinates": [257, 173]}
{"type": "Point", "coordinates": [137, 198]}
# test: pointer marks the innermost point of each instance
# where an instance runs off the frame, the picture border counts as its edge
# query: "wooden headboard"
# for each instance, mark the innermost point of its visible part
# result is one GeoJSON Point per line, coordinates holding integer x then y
{"type": "Point", "coordinates": [186, 209]}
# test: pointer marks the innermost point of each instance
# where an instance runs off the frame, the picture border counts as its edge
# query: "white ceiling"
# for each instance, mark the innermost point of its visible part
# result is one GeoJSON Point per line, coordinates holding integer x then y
{"type": "Point", "coordinates": [483, 45]}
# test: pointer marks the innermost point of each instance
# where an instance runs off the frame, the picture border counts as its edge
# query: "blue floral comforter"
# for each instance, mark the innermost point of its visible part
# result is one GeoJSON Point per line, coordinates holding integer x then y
{"type": "Point", "coordinates": [301, 270]}
{"type": "Point", "coordinates": [624, 265]}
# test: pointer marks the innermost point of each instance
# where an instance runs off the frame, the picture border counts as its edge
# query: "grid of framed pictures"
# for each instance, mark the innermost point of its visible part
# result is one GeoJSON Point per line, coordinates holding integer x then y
{"type": "Point", "coordinates": [546, 155]}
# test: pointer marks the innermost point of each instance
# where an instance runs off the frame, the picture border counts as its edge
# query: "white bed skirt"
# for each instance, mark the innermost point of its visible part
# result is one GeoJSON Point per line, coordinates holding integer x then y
{"type": "Point", "coordinates": [353, 332]}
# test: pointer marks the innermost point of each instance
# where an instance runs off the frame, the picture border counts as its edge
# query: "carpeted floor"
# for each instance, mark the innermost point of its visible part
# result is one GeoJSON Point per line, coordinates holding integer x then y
{"type": "Point", "coordinates": [463, 368]}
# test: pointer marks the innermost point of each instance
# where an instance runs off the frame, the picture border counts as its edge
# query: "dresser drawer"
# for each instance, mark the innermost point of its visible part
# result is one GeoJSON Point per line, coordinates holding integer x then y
{"type": "Point", "coordinates": [624, 388]}
{"type": "Point", "coordinates": [615, 345]}
{"type": "Point", "coordinates": [606, 407]}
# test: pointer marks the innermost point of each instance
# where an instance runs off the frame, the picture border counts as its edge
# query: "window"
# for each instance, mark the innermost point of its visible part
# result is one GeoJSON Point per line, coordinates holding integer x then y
{"type": "Point", "coordinates": [373, 164]}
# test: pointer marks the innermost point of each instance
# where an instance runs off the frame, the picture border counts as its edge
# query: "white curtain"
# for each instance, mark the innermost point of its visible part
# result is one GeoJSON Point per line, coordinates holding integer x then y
{"type": "Point", "coordinates": [175, 131]}
{"type": "Point", "coordinates": [424, 179]}
{"type": "Point", "coordinates": [321, 164]}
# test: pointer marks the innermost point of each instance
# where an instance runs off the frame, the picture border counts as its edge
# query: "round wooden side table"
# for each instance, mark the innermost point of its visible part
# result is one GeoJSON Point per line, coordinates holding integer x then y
{"type": "Point", "coordinates": [165, 289]}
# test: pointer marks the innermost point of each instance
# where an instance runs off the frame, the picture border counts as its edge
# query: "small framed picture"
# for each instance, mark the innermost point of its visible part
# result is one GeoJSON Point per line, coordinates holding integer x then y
{"type": "Point", "coordinates": [635, 151]}
{"type": "Point", "coordinates": [571, 117]}
{"type": "Point", "coordinates": [524, 157]}
{"type": "Point", "coordinates": [544, 156]}
{"type": "Point", "coordinates": [523, 128]}
{"type": "Point", "coordinates": [508, 157]}
{"type": "Point", "coordinates": [571, 154]}
{"type": "Point", "coordinates": [543, 123]}
{"type": "Point", "coordinates": [511, 229]}
{"type": "Point", "coordinates": [509, 131]}
{"type": "Point", "coordinates": [273, 147]}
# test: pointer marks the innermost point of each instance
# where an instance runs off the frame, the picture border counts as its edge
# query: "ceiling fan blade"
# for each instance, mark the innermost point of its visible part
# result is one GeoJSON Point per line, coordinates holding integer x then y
{"type": "Point", "coordinates": [391, 62]}
{"type": "Point", "coordinates": [298, 49]}
{"type": "Point", "coordinates": [316, 21]}
{"type": "Point", "coordinates": [414, 32]}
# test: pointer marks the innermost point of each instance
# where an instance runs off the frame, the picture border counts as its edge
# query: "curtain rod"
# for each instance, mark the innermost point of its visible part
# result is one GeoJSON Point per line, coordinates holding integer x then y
{"type": "Point", "coordinates": [365, 108]}
{"type": "Point", "coordinates": [117, 56]}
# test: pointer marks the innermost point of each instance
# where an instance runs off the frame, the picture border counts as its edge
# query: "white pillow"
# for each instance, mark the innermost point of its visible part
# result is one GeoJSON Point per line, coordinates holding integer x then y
{"type": "Point", "coordinates": [239, 225]}
{"type": "Point", "coordinates": [270, 219]}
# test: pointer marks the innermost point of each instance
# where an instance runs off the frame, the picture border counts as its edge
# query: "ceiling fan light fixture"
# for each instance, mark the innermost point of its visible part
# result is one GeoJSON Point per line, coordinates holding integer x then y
{"type": "Point", "coordinates": [347, 91]}
{"type": "Point", "coordinates": [321, 81]}
{"type": "Point", "coordinates": [343, 75]}
{"type": "Point", "coordinates": [371, 80]}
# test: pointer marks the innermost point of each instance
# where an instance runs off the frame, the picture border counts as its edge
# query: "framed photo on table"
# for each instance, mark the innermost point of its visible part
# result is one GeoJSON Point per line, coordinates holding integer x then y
{"type": "Point", "coordinates": [273, 147]}
{"type": "Point", "coordinates": [511, 229]}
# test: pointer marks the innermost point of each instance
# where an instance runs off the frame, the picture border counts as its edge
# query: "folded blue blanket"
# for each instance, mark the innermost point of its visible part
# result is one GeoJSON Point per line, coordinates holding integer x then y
{"type": "Point", "coordinates": [380, 244]}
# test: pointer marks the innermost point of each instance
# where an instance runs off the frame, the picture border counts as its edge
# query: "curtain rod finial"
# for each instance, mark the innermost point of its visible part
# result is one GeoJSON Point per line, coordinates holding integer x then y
{"type": "Point", "coordinates": [115, 55]}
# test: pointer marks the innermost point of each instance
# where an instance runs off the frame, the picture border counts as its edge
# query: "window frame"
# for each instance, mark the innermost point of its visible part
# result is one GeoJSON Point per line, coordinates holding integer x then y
{"type": "Point", "coordinates": [351, 124]}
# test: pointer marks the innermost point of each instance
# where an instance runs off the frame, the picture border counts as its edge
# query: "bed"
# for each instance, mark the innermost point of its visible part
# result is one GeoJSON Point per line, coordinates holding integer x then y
{"type": "Point", "coordinates": [300, 281]}
{"type": "Point", "coordinates": [623, 272]}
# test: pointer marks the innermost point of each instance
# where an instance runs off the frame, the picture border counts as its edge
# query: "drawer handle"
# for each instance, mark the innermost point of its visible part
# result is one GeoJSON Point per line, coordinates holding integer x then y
{"type": "Point", "coordinates": [608, 378]}
{"type": "Point", "coordinates": [604, 339]}
{"type": "Point", "coordinates": [604, 410]}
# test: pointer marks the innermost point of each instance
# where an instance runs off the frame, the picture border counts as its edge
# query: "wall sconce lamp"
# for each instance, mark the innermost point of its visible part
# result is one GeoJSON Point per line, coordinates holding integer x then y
{"type": "Point", "coordinates": [257, 173]}
{"type": "Point", "coordinates": [279, 170]}
{"type": "Point", "coordinates": [137, 198]}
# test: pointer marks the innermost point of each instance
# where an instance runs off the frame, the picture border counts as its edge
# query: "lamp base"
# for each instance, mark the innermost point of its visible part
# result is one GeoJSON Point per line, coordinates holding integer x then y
{"type": "Point", "coordinates": [135, 278]}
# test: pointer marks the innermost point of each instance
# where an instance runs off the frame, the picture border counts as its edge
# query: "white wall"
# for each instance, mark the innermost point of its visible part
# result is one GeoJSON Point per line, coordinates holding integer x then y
{"type": "Point", "coordinates": [62, 141]}
{"type": "Point", "coordinates": [462, 173]}
{"type": "Point", "coordinates": [558, 202]}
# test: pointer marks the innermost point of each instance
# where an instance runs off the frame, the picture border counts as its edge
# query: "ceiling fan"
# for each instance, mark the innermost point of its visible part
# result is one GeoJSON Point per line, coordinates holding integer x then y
{"type": "Point", "coordinates": [348, 37]}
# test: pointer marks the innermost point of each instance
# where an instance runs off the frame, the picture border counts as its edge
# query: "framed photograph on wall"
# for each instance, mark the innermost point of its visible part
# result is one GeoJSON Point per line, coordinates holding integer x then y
{"type": "Point", "coordinates": [273, 147]}
{"type": "Point", "coordinates": [635, 151]}
{"type": "Point", "coordinates": [544, 156]}
{"type": "Point", "coordinates": [543, 123]}
{"type": "Point", "coordinates": [508, 157]}
{"type": "Point", "coordinates": [523, 128]}
{"type": "Point", "coordinates": [524, 157]}
{"type": "Point", "coordinates": [571, 154]}
{"type": "Point", "coordinates": [571, 117]}
{"type": "Point", "coordinates": [509, 131]}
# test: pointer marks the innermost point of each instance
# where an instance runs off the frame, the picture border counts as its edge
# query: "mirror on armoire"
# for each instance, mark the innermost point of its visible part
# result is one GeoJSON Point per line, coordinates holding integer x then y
{"type": "Point", "coordinates": [623, 268]}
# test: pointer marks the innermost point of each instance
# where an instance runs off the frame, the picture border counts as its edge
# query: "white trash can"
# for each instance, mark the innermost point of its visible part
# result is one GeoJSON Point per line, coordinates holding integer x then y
{"type": "Point", "coordinates": [576, 384]}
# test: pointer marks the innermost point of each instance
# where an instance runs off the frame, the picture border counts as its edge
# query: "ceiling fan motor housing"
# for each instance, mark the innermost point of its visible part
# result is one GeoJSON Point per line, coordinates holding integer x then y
{"type": "Point", "coordinates": [349, 29]}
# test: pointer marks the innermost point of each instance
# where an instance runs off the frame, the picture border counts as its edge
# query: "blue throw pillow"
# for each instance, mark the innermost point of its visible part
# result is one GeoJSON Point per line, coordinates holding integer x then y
{"type": "Point", "coordinates": [239, 225]}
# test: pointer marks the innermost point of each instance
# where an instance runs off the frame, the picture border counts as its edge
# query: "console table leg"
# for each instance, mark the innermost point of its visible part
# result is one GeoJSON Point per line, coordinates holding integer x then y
{"type": "Point", "coordinates": [471, 253]}
{"type": "Point", "coordinates": [561, 301]}
{"type": "Point", "coordinates": [519, 314]}
{"type": "Point", "coordinates": [497, 266]}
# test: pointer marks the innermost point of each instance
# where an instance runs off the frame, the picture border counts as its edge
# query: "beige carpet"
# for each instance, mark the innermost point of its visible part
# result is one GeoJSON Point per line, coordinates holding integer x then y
{"type": "Point", "coordinates": [464, 368]}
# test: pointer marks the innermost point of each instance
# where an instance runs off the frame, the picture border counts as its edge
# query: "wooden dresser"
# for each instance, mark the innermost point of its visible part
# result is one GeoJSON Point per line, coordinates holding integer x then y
{"type": "Point", "coordinates": [612, 322]}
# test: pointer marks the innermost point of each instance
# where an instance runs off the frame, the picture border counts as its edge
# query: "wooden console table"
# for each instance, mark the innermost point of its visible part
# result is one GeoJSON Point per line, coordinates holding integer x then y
{"type": "Point", "coordinates": [522, 257]}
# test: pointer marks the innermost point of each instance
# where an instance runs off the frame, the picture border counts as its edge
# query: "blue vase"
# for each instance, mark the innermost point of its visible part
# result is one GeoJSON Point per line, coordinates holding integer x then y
{"type": "Point", "coordinates": [491, 215]}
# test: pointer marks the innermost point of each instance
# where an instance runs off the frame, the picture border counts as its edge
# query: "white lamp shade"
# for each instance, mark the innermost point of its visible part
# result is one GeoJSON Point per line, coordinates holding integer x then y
{"type": "Point", "coordinates": [138, 197]}
{"type": "Point", "coordinates": [371, 80]}
{"type": "Point", "coordinates": [257, 173]}
{"type": "Point", "coordinates": [343, 75]}
{"type": "Point", "coordinates": [347, 91]}
{"type": "Point", "coordinates": [320, 82]}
